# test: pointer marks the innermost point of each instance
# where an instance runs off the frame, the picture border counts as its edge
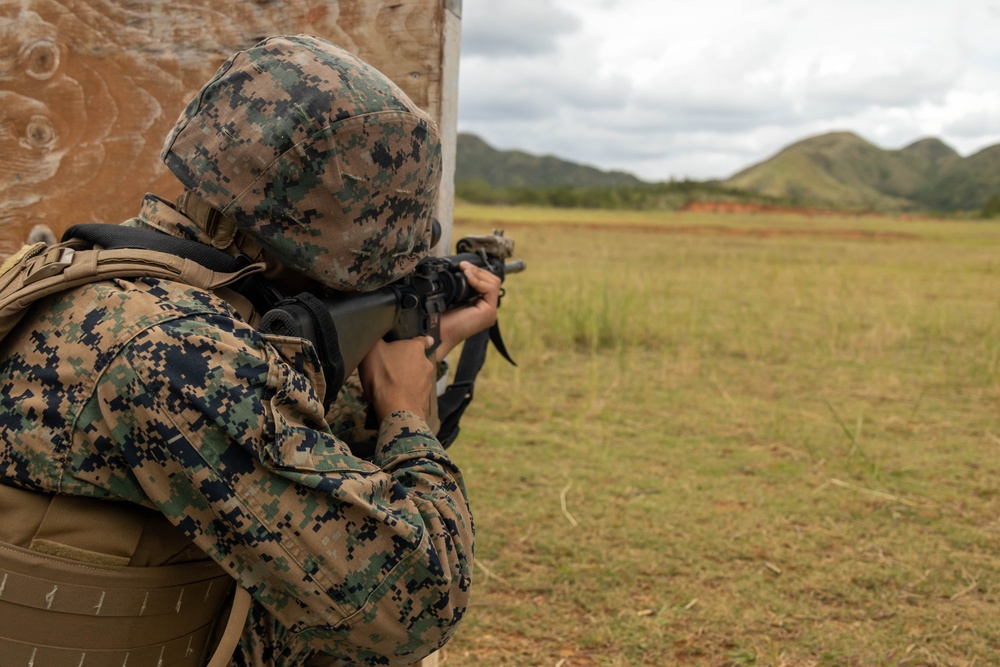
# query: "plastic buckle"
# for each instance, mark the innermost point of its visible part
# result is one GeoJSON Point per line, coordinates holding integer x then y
{"type": "Point", "coordinates": [45, 267]}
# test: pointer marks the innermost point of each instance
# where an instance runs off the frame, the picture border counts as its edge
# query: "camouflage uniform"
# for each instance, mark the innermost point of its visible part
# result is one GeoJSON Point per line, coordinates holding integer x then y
{"type": "Point", "coordinates": [160, 394]}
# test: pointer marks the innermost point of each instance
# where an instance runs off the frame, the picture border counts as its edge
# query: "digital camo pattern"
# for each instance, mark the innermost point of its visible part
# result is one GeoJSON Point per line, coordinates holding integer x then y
{"type": "Point", "coordinates": [317, 155]}
{"type": "Point", "coordinates": [347, 416]}
{"type": "Point", "coordinates": [156, 393]}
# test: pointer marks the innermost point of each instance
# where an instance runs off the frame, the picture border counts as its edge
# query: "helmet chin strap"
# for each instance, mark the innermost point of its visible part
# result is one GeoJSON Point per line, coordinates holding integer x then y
{"type": "Point", "coordinates": [220, 228]}
{"type": "Point", "coordinates": [225, 236]}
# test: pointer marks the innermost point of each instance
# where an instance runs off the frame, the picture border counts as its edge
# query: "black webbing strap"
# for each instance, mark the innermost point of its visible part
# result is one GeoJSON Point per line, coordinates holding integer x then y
{"type": "Point", "coordinates": [306, 316]}
{"type": "Point", "coordinates": [456, 398]}
{"type": "Point", "coordinates": [115, 237]}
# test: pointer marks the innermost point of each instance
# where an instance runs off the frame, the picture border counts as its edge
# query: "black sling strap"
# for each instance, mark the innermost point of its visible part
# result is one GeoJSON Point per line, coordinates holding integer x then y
{"type": "Point", "coordinates": [456, 398]}
{"type": "Point", "coordinates": [115, 237]}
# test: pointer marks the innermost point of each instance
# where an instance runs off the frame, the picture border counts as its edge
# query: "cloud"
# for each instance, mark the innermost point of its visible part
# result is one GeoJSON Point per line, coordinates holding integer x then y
{"type": "Point", "coordinates": [974, 120]}
{"type": "Point", "coordinates": [518, 28]}
{"type": "Point", "coordinates": [490, 92]}
{"type": "Point", "coordinates": [975, 125]}
{"type": "Point", "coordinates": [864, 79]}
{"type": "Point", "coordinates": [704, 89]}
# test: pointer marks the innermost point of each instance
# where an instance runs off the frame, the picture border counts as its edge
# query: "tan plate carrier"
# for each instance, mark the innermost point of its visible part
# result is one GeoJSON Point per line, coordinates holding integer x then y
{"type": "Point", "coordinates": [71, 592]}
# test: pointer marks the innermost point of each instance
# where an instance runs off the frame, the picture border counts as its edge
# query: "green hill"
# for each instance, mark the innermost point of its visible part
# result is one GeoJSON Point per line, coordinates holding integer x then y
{"type": "Point", "coordinates": [486, 175]}
{"type": "Point", "coordinates": [966, 184]}
{"type": "Point", "coordinates": [930, 158]}
{"type": "Point", "coordinates": [476, 160]}
{"type": "Point", "coordinates": [842, 170]}
{"type": "Point", "coordinates": [839, 170]}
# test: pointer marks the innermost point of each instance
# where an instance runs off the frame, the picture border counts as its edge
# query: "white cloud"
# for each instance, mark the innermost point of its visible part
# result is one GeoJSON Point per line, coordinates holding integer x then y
{"type": "Point", "coordinates": [514, 94]}
{"type": "Point", "coordinates": [514, 27]}
{"type": "Point", "coordinates": [702, 88]}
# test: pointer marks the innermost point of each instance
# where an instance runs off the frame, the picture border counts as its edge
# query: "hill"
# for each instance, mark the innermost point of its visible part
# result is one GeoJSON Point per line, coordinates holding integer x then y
{"type": "Point", "coordinates": [476, 160]}
{"type": "Point", "coordinates": [838, 171]}
{"type": "Point", "coordinates": [842, 170]}
{"type": "Point", "coordinates": [486, 175]}
{"type": "Point", "coordinates": [966, 184]}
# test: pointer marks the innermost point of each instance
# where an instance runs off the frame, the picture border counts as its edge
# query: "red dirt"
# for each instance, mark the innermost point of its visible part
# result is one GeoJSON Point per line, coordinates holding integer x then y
{"type": "Point", "coordinates": [742, 207]}
{"type": "Point", "coordinates": [710, 230]}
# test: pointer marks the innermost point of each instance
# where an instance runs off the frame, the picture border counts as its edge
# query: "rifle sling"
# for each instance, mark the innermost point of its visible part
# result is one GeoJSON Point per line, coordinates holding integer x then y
{"type": "Point", "coordinates": [456, 398]}
{"type": "Point", "coordinates": [325, 341]}
{"type": "Point", "coordinates": [114, 237]}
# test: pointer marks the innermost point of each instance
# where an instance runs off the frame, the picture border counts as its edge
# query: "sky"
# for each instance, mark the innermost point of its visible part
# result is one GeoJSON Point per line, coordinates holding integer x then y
{"type": "Point", "coordinates": [704, 88]}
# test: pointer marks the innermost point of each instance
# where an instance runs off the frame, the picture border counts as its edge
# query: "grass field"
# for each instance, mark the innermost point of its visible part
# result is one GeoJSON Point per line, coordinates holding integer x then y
{"type": "Point", "coordinates": [761, 440]}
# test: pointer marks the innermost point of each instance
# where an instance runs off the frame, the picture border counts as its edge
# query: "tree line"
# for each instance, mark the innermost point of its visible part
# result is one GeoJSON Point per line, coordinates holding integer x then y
{"type": "Point", "coordinates": [665, 196]}
{"type": "Point", "coordinates": [671, 195]}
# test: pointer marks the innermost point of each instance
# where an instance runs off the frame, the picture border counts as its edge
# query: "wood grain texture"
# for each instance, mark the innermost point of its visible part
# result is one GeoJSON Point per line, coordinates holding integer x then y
{"type": "Point", "coordinates": [90, 88]}
{"type": "Point", "coordinates": [447, 119]}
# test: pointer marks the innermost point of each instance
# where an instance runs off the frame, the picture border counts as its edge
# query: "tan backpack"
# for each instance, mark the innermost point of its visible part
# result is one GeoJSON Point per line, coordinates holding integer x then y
{"type": "Point", "coordinates": [39, 270]}
{"type": "Point", "coordinates": [107, 614]}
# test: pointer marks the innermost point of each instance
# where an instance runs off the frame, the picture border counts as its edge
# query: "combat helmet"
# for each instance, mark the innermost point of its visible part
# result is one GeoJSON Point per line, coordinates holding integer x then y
{"type": "Point", "coordinates": [316, 156]}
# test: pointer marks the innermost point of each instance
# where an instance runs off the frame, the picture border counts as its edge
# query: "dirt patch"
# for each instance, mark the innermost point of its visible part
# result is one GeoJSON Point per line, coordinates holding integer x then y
{"type": "Point", "coordinates": [744, 207]}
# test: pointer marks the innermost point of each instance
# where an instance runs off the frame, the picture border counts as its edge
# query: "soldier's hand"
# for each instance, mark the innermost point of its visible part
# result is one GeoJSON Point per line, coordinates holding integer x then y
{"type": "Point", "coordinates": [398, 376]}
{"type": "Point", "coordinates": [457, 325]}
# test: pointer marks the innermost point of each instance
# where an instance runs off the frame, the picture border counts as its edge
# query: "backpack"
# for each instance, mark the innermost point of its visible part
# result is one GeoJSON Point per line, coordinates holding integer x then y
{"type": "Point", "coordinates": [39, 270]}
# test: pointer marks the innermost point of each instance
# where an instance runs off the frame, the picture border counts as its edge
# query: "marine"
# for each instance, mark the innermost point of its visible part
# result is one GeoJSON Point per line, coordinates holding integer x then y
{"type": "Point", "coordinates": [167, 470]}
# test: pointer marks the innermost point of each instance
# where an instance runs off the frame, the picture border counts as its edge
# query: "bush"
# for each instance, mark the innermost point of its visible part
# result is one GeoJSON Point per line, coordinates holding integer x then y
{"type": "Point", "coordinates": [991, 209]}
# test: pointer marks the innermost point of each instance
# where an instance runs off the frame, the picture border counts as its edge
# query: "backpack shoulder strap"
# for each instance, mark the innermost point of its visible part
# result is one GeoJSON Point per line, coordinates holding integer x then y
{"type": "Point", "coordinates": [37, 271]}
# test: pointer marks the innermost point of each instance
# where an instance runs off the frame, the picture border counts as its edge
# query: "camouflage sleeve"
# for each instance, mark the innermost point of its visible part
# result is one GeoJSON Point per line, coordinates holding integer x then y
{"type": "Point", "coordinates": [347, 417]}
{"type": "Point", "coordinates": [224, 432]}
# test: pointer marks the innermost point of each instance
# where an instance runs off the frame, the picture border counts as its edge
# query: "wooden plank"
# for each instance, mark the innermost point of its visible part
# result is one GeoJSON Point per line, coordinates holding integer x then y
{"type": "Point", "coordinates": [447, 119]}
{"type": "Point", "coordinates": [90, 88]}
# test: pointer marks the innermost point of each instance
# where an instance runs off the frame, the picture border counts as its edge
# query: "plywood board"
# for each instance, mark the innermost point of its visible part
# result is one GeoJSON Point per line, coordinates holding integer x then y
{"type": "Point", "coordinates": [90, 88]}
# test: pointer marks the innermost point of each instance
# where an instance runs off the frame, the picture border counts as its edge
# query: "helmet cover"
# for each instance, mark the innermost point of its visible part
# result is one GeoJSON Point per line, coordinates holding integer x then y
{"type": "Point", "coordinates": [316, 155]}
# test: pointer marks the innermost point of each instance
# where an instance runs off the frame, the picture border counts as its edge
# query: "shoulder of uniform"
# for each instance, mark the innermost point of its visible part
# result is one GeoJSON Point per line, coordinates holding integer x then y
{"type": "Point", "coordinates": [106, 315]}
{"type": "Point", "coordinates": [144, 297]}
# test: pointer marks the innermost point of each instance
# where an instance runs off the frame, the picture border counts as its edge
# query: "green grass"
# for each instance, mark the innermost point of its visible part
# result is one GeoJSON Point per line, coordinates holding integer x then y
{"type": "Point", "coordinates": [763, 440]}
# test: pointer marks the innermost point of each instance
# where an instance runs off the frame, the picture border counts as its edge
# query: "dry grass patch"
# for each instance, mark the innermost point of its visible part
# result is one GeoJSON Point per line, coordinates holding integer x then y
{"type": "Point", "coordinates": [739, 449]}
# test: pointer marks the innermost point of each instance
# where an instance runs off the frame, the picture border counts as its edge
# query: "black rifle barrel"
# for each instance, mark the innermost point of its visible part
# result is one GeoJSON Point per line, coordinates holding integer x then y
{"type": "Point", "coordinates": [516, 266]}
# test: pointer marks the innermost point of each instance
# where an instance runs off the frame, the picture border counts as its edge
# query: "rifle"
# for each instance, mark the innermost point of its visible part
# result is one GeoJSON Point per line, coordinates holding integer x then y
{"type": "Point", "coordinates": [343, 327]}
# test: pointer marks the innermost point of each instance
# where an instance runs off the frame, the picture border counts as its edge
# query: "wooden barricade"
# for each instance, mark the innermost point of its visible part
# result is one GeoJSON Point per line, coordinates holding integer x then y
{"type": "Point", "coordinates": [90, 88]}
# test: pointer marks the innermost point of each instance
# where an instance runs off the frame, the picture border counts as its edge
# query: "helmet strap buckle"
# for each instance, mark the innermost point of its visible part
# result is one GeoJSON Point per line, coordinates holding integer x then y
{"type": "Point", "coordinates": [219, 227]}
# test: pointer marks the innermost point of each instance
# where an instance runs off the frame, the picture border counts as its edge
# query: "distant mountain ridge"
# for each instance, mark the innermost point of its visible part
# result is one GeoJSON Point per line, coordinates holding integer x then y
{"type": "Point", "coordinates": [842, 170]}
{"type": "Point", "coordinates": [837, 170]}
{"type": "Point", "coordinates": [478, 161]}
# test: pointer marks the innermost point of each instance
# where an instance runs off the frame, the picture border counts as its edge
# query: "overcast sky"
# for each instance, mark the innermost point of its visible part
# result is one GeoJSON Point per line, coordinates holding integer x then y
{"type": "Point", "coordinates": [703, 88]}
